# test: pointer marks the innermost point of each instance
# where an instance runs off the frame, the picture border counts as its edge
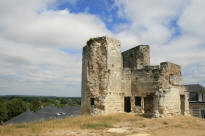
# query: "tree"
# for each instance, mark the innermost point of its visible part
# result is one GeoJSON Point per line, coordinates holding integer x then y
{"type": "Point", "coordinates": [15, 107]}
{"type": "Point", "coordinates": [3, 112]}
{"type": "Point", "coordinates": [36, 105]}
{"type": "Point", "coordinates": [63, 101]}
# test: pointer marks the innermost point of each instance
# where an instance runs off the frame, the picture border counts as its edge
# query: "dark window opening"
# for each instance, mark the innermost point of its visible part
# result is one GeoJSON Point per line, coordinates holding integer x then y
{"type": "Point", "coordinates": [182, 99]}
{"type": "Point", "coordinates": [148, 104]}
{"type": "Point", "coordinates": [127, 104]}
{"type": "Point", "coordinates": [137, 101]}
{"type": "Point", "coordinates": [92, 101]}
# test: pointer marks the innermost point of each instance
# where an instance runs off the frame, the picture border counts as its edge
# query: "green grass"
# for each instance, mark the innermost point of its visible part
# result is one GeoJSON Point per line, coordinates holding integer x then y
{"type": "Point", "coordinates": [21, 126]}
{"type": "Point", "coordinates": [96, 125]}
{"type": "Point", "coordinates": [165, 123]}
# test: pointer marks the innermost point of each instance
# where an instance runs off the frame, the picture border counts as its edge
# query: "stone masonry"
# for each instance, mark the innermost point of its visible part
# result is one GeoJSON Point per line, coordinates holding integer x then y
{"type": "Point", "coordinates": [115, 81]}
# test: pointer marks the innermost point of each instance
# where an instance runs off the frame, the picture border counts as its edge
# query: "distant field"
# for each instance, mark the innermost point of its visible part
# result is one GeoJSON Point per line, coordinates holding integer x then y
{"type": "Point", "coordinates": [123, 124]}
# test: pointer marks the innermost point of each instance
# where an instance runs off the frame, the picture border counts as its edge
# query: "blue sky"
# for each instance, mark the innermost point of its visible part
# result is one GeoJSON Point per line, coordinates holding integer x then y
{"type": "Point", "coordinates": [104, 9]}
{"type": "Point", "coordinates": [41, 41]}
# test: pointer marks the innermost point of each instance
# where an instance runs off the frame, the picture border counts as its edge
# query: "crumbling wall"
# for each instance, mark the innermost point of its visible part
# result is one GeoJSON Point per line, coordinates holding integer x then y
{"type": "Point", "coordinates": [94, 76]}
{"type": "Point", "coordinates": [163, 83]}
{"type": "Point", "coordinates": [145, 81]}
{"type": "Point", "coordinates": [126, 81]}
{"type": "Point", "coordinates": [114, 98]}
{"type": "Point", "coordinates": [109, 76]}
{"type": "Point", "coordinates": [140, 83]}
{"type": "Point", "coordinates": [171, 88]}
{"type": "Point", "coordinates": [137, 57]}
{"type": "Point", "coordinates": [101, 76]}
{"type": "Point", "coordinates": [135, 83]}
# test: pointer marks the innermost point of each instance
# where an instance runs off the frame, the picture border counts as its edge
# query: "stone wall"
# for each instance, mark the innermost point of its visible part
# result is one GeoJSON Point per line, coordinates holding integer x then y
{"type": "Point", "coordinates": [137, 57]}
{"type": "Point", "coordinates": [171, 89]}
{"type": "Point", "coordinates": [101, 76]}
{"type": "Point", "coordinates": [164, 83]}
{"type": "Point", "coordinates": [113, 81]}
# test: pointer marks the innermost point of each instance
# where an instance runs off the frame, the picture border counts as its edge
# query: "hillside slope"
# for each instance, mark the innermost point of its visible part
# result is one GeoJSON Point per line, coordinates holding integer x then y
{"type": "Point", "coordinates": [110, 125]}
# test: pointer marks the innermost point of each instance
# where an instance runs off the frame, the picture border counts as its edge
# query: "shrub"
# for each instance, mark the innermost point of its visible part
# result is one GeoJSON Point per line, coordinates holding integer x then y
{"type": "Point", "coordinates": [3, 112]}
{"type": "Point", "coordinates": [15, 107]}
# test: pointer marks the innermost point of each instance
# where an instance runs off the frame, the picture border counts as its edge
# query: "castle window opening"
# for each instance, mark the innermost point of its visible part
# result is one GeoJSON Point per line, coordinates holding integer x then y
{"type": "Point", "coordinates": [148, 104]}
{"type": "Point", "coordinates": [92, 101]}
{"type": "Point", "coordinates": [127, 104]}
{"type": "Point", "coordinates": [182, 99]}
{"type": "Point", "coordinates": [137, 101]}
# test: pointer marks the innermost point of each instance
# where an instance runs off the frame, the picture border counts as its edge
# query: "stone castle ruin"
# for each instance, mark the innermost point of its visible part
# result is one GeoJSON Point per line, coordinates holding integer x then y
{"type": "Point", "coordinates": [115, 81]}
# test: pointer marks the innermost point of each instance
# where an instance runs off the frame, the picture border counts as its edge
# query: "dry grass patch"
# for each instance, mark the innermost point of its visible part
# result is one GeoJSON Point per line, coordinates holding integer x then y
{"type": "Point", "coordinates": [98, 125]}
{"type": "Point", "coordinates": [70, 123]}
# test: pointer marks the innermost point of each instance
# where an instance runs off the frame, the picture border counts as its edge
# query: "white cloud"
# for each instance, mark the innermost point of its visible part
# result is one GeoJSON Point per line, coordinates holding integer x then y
{"type": "Point", "coordinates": [152, 22]}
{"type": "Point", "coordinates": [149, 20]}
{"type": "Point", "coordinates": [53, 28]}
{"type": "Point", "coordinates": [192, 20]}
{"type": "Point", "coordinates": [25, 68]}
{"type": "Point", "coordinates": [31, 37]}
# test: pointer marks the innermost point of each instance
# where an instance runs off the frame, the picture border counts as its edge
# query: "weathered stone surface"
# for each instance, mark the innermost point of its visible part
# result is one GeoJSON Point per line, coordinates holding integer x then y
{"type": "Point", "coordinates": [101, 76]}
{"type": "Point", "coordinates": [115, 82]}
{"type": "Point", "coordinates": [137, 57]}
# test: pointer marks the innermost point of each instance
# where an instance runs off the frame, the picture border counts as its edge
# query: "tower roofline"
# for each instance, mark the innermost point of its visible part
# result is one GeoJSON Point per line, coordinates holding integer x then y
{"type": "Point", "coordinates": [136, 47]}
{"type": "Point", "coordinates": [105, 38]}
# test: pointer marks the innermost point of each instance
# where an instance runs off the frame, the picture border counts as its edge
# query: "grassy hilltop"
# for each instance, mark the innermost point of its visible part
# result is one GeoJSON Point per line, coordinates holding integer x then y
{"type": "Point", "coordinates": [123, 124]}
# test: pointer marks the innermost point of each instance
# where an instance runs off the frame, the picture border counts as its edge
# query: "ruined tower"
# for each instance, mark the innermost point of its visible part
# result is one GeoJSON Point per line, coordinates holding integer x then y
{"type": "Point", "coordinates": [115, 81]}
{"type": "Point", "coordinates": [101, 76]}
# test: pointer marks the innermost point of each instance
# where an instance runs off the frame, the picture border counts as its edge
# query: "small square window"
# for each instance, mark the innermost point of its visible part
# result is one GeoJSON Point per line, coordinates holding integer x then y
{"type": "Point", "coordinates": [137, 101]}
{"type": "Point", "coordinates": [92, 101]}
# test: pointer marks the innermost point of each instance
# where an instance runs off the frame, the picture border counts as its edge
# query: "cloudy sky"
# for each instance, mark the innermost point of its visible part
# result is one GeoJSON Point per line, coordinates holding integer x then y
{"type": "Point", "coordinates": [41, 40]}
